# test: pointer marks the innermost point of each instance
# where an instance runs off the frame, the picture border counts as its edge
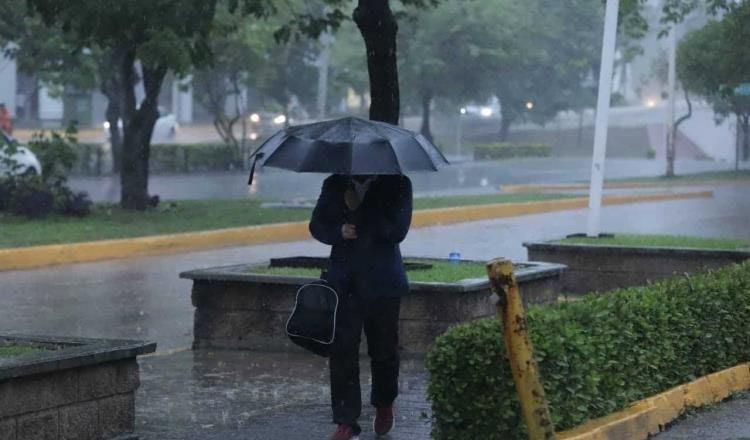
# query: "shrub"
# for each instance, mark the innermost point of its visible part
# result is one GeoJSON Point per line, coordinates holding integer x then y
{"type": "Point", "coordinates": [56, 154]}
{"type": "Point", "coordinates": [90, 158]}
{"type": "Point", "coordinates": [38, 196]}
{"type": "Point", "coordinates": [595, 356]}
{"type": "Point", "coordinates": [68, 202]}
{"type": "Point", "coordinates": [31, 197]}
{"type": "Point", "coordinates": [174, 158]}
{"type": "Point", "coordinates": [507, 150]}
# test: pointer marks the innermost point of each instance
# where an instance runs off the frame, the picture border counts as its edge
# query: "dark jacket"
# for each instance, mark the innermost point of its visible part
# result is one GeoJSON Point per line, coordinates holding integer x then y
{"type": "Point", "coordinates": [371, 265]}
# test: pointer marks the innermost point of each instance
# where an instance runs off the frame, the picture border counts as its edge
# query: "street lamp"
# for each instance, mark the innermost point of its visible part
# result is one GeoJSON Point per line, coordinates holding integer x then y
{"type": "Point", "coordinates": [529, 105]}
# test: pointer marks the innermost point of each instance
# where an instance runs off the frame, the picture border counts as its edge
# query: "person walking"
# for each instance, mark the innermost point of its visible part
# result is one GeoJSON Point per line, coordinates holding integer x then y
{"type": "Point", "coordinates": [6, 123]}
{"type": "Point", "coordinates": [363, 219]}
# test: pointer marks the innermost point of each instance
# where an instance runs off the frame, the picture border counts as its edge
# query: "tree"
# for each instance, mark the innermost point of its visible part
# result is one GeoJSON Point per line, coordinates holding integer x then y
{"type": "Point", "coordinates": [145, 39]}
{"type": "Point", "coordinates": [443, 52]}
{"type": "Point", "coordinates": [714, 60]}
{"type": "Point", "coordinates": [239, 50]}
{"type": "Point", "coordinates": [43, 52]}
{"type": "Point", "coordinates": [547, 50]}
{"type": "Point", "coordinates": [349, 63]}
{"type": "Point", "coordinates": [377, 24]}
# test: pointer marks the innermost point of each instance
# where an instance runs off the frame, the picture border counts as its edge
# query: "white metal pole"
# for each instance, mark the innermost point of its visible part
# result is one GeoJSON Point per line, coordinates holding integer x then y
{"type": "Point", "coordinates": [602, 117]}
{"type": "Point", "coordinates": [672, 90]}
{"type": "Point", "coordinates": [460, 134]}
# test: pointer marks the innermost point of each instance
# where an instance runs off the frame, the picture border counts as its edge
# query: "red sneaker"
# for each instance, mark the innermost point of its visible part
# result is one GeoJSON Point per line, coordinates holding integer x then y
{"type": "Point", "coordinates": [344, 432]}
{"type": "Point", "coordinates": [384, 420]}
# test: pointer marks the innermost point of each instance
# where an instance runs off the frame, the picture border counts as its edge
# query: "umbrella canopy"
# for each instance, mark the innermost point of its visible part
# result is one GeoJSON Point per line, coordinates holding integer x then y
{"type": "Point", "coordinates": [351, 146]}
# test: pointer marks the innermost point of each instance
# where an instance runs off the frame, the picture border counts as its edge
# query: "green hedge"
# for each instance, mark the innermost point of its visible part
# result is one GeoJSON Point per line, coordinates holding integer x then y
{"type": "Point", "coordinates": [596, 355]}
{"type": "Point", "coordinates": [182, 158]}
{"type": "Point", "coordinates": [507, 150]}
{"type": "Point", "coordinates": [165, 158]}
{"type": "Point", "coordinates": [89, 159]}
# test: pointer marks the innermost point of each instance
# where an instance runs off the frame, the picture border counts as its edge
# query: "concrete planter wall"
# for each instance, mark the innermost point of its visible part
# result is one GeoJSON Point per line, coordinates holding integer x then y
{"type": "Point", "coordinates": [236, 309]}
{"type": "Point", "coordinates": [602, 268]}
{"type": "Point", "coordinates": [80, 389]}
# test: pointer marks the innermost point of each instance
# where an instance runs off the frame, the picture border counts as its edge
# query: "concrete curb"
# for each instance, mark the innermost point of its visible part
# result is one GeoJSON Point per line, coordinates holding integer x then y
{"type": "Point", "coordinates": [47, 255]}
{"type": "Point", "coordinates": [650, 416]}
{"type": "Point", "coordinates": [541, 187]}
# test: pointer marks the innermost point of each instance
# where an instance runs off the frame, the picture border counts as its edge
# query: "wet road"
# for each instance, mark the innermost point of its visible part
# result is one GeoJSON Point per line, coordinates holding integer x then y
{"type": "Point", "coordinates": [462, 178]}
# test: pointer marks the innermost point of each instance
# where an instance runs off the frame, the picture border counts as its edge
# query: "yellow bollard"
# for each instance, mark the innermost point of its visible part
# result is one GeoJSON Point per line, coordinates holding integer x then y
{"type": "Point", "coordinates": [520, 353]}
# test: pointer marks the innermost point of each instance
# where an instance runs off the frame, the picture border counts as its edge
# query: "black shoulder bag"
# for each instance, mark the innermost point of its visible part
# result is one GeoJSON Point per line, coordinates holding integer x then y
{"type": "Point", "coordinates": [312, 324]}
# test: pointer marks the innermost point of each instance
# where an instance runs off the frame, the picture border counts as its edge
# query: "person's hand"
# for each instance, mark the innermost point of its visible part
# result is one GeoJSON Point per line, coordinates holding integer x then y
{"type": "Point", "coordinates": [349, 231]}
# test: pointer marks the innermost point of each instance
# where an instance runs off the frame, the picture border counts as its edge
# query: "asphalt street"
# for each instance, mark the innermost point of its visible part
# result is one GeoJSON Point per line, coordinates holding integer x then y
{"type": "Point", "coordinates": [465, 177]}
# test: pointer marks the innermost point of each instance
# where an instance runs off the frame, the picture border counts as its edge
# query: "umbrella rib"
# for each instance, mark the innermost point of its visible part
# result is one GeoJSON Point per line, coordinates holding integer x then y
{"type": "Point", "coordinates": [395, 156]}
{"type": "Point", "coordinates": [267, 158]}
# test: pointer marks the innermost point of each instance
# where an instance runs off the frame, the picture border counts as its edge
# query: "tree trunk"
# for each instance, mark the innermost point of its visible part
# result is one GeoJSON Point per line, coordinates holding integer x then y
{"type": "Point", "coordinates": [506, 118]}
{"type": "Point", "coordinates": [111, 86]}
{"type": "Point", "coordinates": [378, 26]}
{"type": "Point", "coordinates": [745, 136]}
{"type": "Point", "coordinates": [426, 101]}
{"type": "Point", "coordinates": [115, 139]}
{"type": "Point", "coordinates": [138, 126]}
{"type": "Point", "coordinates": [672, 140]}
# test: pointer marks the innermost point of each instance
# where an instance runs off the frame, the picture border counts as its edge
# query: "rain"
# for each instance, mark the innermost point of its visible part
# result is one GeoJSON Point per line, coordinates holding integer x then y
{"type": "Point", "coordinates": [178, 179]}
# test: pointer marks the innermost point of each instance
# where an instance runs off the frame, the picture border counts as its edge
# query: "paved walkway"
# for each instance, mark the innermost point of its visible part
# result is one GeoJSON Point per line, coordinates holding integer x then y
{"type": "Point", "coordinates": [203, 395]}
{"type": "Point", "coordinates": [231, 395]}
{"type": "Point", "coordinates": [729, 420]}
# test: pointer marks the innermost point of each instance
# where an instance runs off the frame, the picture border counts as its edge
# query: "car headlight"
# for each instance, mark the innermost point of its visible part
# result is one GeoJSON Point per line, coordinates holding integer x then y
{"type": "Point", "coordinates": [278, 120]}
{"type": "Point", "coordinates": [106, 125]}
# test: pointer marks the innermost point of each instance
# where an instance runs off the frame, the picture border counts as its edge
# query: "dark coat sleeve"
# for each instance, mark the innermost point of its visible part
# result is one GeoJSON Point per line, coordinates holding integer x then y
{"type": "Point", "coordinates": [327, 217]}
{"type": "Point", "coordinates": [396, 212]}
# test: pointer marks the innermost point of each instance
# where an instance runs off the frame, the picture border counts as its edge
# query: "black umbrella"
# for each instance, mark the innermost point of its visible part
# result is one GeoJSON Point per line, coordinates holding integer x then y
{"type": "Point", "coordinates": [350, 145]}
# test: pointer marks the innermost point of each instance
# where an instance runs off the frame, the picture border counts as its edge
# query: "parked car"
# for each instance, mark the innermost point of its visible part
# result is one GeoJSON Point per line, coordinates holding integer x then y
{"type": "Point", "coordinates": [165, 129]}
{"type": "Point", "coordinates": [26, 160]}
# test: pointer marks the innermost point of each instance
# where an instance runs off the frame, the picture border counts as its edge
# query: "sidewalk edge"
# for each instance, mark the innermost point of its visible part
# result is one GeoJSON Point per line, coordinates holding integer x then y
{"type": "Point", "coordinates": [650, 416]}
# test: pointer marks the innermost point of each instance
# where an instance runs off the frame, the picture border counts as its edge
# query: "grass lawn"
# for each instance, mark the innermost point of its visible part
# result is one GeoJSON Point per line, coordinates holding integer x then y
{"type": "Point", "coordinates": [697, 177]}
{"type": "Point", "coordinates": [109, 221]}
{"type": "Point", "coordinates": [7, 351]}
{"type": "Point", "coordinates": [660, 241]}
{"type": "Point", "coordinates": [441, 272]}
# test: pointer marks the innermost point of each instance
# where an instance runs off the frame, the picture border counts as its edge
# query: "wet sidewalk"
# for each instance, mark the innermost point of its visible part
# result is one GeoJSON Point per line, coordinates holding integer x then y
{"type": "Point", "coordinates": [227, 395]}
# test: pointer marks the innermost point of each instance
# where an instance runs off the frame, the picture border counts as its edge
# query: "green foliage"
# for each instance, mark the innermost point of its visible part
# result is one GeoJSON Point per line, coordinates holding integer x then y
{"type": "Point", "coordinates": [56, 153]}
{"type": "Point", "coordinates": [595, 355]}
{"type": "Point", "coordinates": [508, 150]}
{"type": "Point", "coordinates": [13, 350]}
{"type": "Point", "coordinates": [35, 196]}
{"type": "Point", "coordinates": [715, 59]}
{"type": "Point", "coordinates": [183, 158]}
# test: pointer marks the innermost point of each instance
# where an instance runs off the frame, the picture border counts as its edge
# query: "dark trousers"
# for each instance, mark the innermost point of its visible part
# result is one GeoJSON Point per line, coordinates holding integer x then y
{"type": "Point", "coordinates": [379, 319]}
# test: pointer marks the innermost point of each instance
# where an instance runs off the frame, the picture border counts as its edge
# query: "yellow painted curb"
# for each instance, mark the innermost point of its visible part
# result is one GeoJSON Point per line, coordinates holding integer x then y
{"type": "Point", "coordinates": [540, 187]}
{"type": "Point", "coordinates": [40, 256]}
{"type": "Point", "coordinates": [650, 416]}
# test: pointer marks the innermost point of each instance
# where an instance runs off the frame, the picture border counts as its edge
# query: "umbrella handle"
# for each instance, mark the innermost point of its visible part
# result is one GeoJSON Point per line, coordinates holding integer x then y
{"type": "Point", "coordinates": [252, 168]}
